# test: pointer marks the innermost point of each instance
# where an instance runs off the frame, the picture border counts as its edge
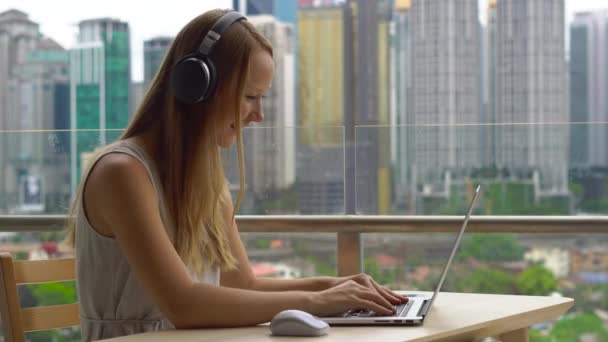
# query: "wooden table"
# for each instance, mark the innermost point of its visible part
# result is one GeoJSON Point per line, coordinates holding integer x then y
{"type": "Point", "coordinates": [453, 317]}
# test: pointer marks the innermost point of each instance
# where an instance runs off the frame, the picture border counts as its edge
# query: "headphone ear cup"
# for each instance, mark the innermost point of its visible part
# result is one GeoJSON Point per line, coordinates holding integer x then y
{"type": "Point", "coordinates": [212, 84]}
{"type": "Point", "coordinates": [190, 80]}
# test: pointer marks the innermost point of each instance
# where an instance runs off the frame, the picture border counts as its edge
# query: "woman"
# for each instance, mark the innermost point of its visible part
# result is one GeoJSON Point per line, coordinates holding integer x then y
{"type": "Point", "coordinates": [156, 242]}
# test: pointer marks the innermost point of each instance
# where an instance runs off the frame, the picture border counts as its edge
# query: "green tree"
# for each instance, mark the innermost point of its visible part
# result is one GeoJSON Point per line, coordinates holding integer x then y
{"type": "Point", "coordinates": [536, 336]}
{"type": "Point", "coordinates": [536, 281]}
{"type": "Point", "coordinates": [54, 293]}
{"type": "Point", "coordinates": [382, 277]}
{"type": "Point", "coordinates": [491, 248]}
{"type": "Point", "coordinates": [487, 280]}
{"type": "Point", "coordinates": [323, 267]}
{"type": "Point", "coordinates": [570, 329]}
{"type": "Point", "coordinates": [262, 243]}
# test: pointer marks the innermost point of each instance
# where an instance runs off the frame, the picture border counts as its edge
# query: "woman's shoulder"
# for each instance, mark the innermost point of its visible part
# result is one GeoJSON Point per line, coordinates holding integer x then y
{"type": "Point", "coordinates": [116, 166]}
{"type": "Point", "coordinates": [115, 182]}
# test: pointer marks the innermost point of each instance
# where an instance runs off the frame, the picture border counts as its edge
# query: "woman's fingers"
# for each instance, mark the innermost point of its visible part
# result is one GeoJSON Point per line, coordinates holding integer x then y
{"type": "Point", "coordinates": [377, 298]}
{"type": "Point", "coordinates": [386, 293]}
{"type": "Point", "coordinates": [402, 298]}
{"type": "Point", "coordinates": [371, 305]}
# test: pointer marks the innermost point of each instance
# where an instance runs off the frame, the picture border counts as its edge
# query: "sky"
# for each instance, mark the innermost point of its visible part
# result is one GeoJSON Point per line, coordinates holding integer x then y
{"type": "Point", "coordinates": [58, 19]}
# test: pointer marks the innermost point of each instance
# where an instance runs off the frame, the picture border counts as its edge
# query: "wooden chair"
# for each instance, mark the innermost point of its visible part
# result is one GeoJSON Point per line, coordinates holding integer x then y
{"type": "Point", "coordinates": [15, 320]}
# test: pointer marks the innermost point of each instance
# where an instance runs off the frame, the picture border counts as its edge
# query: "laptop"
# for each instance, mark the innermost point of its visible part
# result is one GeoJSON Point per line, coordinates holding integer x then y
{"type": "Point", "coordinates": [416, 309]}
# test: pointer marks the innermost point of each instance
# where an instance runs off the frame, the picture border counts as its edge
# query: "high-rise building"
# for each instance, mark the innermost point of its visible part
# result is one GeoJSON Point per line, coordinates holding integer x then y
{"type": "Point", "coordinates": [42, 97]}
{"type": "Point", "coordinates": [369, 105]}
{"type": "Point", "coordinates": [531, 93]}
{"type": "Point", "coordinates": [489, 87]}
{"type": "Point", "coordinates": [589, 89]}
{"type": "Point", "coordinates": [100, 74]}
{"type": "Point", "coordinates": [283, 10]}
{"type": "Point", "coordinates": [33, 97]}
{"type": "Point", "coordinates": [271, 148]}
{"type": "Point", "coordinates": [445, 96]}
{"type": "Point", "coordinates": [155, 50]}
{"type": "Point", "coordinates": [400, 55]}
{"type": "Point", "coordinates": [343, 86]}
{"type": "Point", "coordinates": [324, 64]}
{"type": "Point", "coordinates": [18, 37]}
{"type": "Point", "coordinates": [137, 91]}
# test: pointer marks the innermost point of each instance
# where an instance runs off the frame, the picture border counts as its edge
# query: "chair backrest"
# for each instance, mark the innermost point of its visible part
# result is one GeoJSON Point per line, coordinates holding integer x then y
{"type": "Point", "coordinates": [15, 320]}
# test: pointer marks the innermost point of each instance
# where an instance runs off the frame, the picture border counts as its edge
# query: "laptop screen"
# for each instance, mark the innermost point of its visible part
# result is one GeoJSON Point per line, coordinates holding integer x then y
{"type": "Point", "coordinates": [453, 253]}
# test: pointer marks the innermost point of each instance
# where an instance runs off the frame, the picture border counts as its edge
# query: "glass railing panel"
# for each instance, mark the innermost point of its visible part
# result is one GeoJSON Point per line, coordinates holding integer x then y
{"type": "Point", "coordinates": [290, 171]}
{"type": "Point", "coordinates": [527, 169]}
{"type": "Point", "coordinates": [574, 266]}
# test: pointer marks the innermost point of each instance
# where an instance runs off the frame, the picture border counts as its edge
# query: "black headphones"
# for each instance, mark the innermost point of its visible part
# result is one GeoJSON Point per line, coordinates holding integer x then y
{"type": "Point", "coordinates": [194, 77]}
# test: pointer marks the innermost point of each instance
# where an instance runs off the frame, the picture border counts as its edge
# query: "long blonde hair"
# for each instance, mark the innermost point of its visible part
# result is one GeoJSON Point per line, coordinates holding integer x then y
{"type": "Point", "coordinates": [187, 153]}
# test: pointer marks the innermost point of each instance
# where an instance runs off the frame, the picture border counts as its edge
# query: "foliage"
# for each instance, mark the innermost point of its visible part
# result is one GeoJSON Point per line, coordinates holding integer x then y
{"type": "Point", "coordinates": [322, 268]}
{"type": "Point", "coordinates": [63, 335]}
{"type": "Point", "coordinates": [537, 336]}
{"type": "Point", "coordinates": [596, 206]}
{"type": "Point", "coordinates": [487, 280]}
{"type": "Point", "coordinates": [536, 281]}
{"type": "Point", "coordinates": [589, 296]}
{"type": "Point", "coordinates": [383, 277]}
{"type": "Point", "coordinates": [50, 294]}
{"type": "Point", "coordinates": [262, 243]}
{"type": "Point", "coordinates": [491, 248]}
{"type": "Point", "coordinates": [55, 293]}
{"type": "Point", "coordinates": [570, 329]}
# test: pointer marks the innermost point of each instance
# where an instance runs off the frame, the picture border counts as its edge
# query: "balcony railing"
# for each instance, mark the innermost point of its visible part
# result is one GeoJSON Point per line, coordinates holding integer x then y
{"type": "Point", "coordinates": [350, 227]}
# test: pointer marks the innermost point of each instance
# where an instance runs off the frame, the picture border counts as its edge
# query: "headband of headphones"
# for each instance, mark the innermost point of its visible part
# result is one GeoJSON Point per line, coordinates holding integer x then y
{"type": "Point", "coordinates": [217, 30]}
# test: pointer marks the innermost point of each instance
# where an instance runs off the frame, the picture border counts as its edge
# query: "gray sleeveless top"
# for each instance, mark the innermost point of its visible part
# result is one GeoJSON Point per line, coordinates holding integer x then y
{"type": "Point", "coordinates": [112, 301]}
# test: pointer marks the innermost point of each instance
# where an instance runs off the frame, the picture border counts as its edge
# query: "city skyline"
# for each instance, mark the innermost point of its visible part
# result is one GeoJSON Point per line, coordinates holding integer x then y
{"type": "Point", "coordinates": [331, 86]}
{"type": "Point", "coordinates": [62, 25]}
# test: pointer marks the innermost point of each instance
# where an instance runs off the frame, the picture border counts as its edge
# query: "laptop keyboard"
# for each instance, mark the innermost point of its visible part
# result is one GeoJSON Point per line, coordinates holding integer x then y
{"type": "Point", "coordinates": [401, 310]}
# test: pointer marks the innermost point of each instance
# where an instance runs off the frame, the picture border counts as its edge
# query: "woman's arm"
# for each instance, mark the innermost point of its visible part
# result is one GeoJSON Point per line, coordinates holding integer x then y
{"type": "Point", "coordinates": [120, 199]}
{"type": "Point", "coordinates": [243, 276]}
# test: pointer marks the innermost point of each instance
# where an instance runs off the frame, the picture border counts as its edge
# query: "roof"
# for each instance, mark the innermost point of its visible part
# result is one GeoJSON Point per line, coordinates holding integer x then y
{"type": "Point", "coordinates": [263, 269]}
{"type": "Point", "coordinates": [385, 260]}
{"type": "Point", "coordinates": [14, 13]}
{"type": "Point", "coordinates": [47, 43]}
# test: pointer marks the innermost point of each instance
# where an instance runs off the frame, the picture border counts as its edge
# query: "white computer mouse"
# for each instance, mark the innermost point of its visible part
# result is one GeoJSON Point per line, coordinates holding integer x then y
{"type": "Point", "coordinates": [297, 323]}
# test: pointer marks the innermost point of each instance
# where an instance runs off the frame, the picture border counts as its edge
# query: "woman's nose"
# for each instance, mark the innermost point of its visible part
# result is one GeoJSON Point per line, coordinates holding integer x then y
{"type": "Point", "coordinates": [258, 115]}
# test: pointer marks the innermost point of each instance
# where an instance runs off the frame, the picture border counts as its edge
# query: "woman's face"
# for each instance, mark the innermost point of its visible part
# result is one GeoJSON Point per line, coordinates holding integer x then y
{"type": "Point", "coordinates": [259, 80]}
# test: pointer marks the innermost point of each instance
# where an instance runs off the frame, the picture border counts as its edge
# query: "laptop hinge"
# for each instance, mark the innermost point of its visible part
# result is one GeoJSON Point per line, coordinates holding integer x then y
{"type": "Point", "coordinates": [424, 308]}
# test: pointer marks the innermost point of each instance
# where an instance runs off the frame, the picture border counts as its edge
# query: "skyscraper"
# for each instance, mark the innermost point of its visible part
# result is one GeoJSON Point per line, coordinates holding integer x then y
{"type": "Point", "coordinates": [272, 148]}
{"type": "Point", "coordinates": [137, 91]}
{"type": "Point", "coordinates": [323, 89]}
{"type": "Point", "coordinates": [33, 96]}
{"type": "Point", "coordinates": [283, 10]}
{"type": "Point", "coordinates": [531, 92]}
{"type": "Point", "coordinates": [155, 50]}
{"type": "Point", "coordinates": [100, 74]}
{"type": "Point", "coordinates": [445, 77]}
{"type": "Point", "coordinates": [589, 89]}
{"type": "Point", "coordinates": [18, 36]}
{"type": "Point", "coordinates": [42, 98]}
{"type": "Point", "coordinates": [369, 105]}
{"type": "Point", "coordinates": [489, 151]}
{"type": "Point", "coordinates": [400, 54]}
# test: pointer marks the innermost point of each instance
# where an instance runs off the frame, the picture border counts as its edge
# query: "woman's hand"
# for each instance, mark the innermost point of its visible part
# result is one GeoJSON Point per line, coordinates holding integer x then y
{"type": "Point", "coordinates": [346, 296]}
{"type": "Point", "coordinates": [367, 281]}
